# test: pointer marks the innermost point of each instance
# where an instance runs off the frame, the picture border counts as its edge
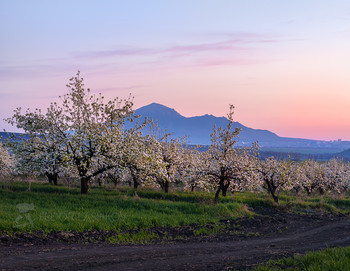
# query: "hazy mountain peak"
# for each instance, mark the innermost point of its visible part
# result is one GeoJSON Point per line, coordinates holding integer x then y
{"type": "Point", "coordinates": [157, 110]}
{"type": "Point", "coordinates": [198, 130]}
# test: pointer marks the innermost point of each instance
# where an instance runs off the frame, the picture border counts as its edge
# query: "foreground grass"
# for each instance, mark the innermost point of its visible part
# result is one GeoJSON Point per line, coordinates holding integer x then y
{"type": "Point", "coordinates": [46, 208]}
{"type": "Point", "coordinates": [327, 260]}
{"type": "Point", "coordinates": [56, 208]}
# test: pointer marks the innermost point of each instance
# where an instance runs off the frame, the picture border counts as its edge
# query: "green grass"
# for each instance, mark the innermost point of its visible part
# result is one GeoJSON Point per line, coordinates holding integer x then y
{"type": "Point", "coordinates": [316, 203]}
{"type": "Point", "coordinates": [326, 260]}
{"type": "Point", "coordinates": [58, 208]}
{"type": "Point", "coordinates": [63, 209]}
{"type": "Point", "coordinates": [299, 204]}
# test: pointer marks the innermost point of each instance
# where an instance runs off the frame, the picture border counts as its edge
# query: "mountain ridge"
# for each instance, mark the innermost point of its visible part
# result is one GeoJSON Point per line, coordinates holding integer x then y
{"type": "Point", "coordinates": [198, 130]}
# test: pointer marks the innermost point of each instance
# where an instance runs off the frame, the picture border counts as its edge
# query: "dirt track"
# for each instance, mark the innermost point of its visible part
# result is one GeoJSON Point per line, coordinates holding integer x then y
{"type": "Point", "coordinates": [280, 235]}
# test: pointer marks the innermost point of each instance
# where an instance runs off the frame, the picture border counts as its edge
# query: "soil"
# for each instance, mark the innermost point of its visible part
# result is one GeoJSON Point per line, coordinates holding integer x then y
{"type": "Point", "coordinates": [240, 245]}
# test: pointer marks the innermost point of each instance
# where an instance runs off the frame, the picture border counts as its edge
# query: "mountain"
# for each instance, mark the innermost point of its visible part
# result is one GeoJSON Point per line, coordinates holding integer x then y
{"type": "Point", "coordinates": [6, 135]}
{"type": "Point", "coordinates": [198, 130]}
{"type": "Point", "coordinates": [345, 154]}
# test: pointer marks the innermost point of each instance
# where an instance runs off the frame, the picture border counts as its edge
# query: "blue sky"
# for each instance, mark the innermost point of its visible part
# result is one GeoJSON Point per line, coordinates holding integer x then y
{"type": "Point", "coordinates": [283, 64]}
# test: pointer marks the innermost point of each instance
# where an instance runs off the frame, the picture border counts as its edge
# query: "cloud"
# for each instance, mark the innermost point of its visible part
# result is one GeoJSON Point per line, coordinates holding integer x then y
{"type": "Point", "coordinates": [15, 96]}
{"type": "Point", "coordinates": [236, 41]}
{"type": "Point", "coordinates": [117, 52]}
{"type": "Point", "coordinates": [125, 88]}
{"type": "Point", "coordinates": [14, 71]}
{"type": "Point", "coordinates": [237, 35]}
{"type": "Point", "coordinates": [226, 62]}
{"type": "Point", "coordinates": [221, 48]}
{"type": "Point", "coordinates": [63, 67]}
{"type": "Point", "coordinates": [201, 48]}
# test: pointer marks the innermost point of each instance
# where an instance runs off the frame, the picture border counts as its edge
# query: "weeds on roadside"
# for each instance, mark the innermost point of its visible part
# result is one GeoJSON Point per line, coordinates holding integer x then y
{"type": "Point", "coordinates": [330, 259]}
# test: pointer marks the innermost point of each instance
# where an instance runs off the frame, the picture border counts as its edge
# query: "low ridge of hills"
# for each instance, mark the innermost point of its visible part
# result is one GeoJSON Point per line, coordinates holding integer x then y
{"type": "Point", "coordinates": [198, 130]}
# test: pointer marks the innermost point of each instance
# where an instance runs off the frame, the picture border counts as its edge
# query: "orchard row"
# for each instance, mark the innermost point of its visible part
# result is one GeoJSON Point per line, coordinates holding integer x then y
{"type": "Point", "coordinates": [86, 138]}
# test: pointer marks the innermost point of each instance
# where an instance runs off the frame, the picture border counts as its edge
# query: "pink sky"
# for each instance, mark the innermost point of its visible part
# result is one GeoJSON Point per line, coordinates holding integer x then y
{"type": "Point", "coordinates": [284, 65]}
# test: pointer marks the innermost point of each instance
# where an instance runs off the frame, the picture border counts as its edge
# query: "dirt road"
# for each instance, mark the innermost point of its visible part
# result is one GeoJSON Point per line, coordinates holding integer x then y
{"type": "Point", "coordinates": [279, 236]}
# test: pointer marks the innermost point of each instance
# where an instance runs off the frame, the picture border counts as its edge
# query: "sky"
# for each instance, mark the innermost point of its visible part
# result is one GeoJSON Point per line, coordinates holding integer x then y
{"type": "Point", "coordinates": [283, 64]}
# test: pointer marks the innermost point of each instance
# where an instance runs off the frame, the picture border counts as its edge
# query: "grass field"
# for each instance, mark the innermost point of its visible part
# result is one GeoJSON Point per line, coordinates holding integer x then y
{"type": "Point", "coordinates": [330, 259]}
{"type": "Point", "coordinates": [56, 208]}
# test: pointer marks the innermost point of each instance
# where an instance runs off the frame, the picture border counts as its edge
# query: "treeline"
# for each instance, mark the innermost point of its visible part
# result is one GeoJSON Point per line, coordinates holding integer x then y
{"type": "Point", "coordinates": [89, 139]}
{"type": "Point", "coordinates": [296, 156]}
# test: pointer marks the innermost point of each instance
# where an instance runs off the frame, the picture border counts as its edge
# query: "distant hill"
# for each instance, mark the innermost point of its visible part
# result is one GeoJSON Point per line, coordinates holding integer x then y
{"type": "Point", "coordinates": [345, 154]}
{"type": "Point", "coordinates": [5, 135]}
{"type": "Point", "coordinates": [198, 130]}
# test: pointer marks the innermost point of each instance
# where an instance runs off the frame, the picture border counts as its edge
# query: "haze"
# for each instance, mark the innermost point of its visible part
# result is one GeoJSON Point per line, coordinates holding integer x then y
{"type": "Point", "coordinates": [283, 64]}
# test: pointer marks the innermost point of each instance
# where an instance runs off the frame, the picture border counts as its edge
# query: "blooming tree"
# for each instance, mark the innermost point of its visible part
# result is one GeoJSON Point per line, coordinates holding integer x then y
{"type": "Point", "coordinates": [88, 130]}
{"type": "Point", "coordinates": [38, 150]}
{"type": "Point", "coordinates": [297, 176]}
{"type": "Point", "coordinates": [87, 138]}
{"type": "Point", "coordinates": [6, 162]}
{"type": "Point", "coordinates": [337, 173]}
{"type": "Point", "coordinates": [170, 152]}
{"type": "Point", "coordinates": [227, 165]}
{"type": "Point", "coordinates": [142, 157]}
{"type": "Point", "coordinates": [192, 170]}
{"type": "Point", "coordinates": [275, 174]}
{"type": "Point", "coordinates": [315, 176]}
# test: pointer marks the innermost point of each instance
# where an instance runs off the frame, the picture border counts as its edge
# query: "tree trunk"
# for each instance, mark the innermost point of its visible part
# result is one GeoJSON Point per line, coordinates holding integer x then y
{"type": "Point", "coordinates": [297, 190]}
{"type": "Point", "coordinates": [272, 189]}
{"type": "Point", "coordinates": [52, 177]}
{"type": "Point", "coordinates": [275, 198]}
{"type": "Point", "coordinates": [114, 179]}
{"type": "Point", "coordinates": [224, 189]}
{"type": "Point", "coordinates": [220, 188]}
{"type": "Point", "coordinates": [48, 175]}
{"type": "Point", "coordinates": [68, 181]}
{"type": "Point", "coordinates": [134, 175]}
{"type": "Point", "coordinates": [166, 186]}
{"type": "Point", "coordinates": [84, 188]}
{"type": "Point", "coordinates": [136, 183]}
{"type": "Point", "coordinates": [308, 191]}
{"type": "Point", "coordinates": [192, 187]}
{"type": "Point", "coordinates": [217, 193]}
